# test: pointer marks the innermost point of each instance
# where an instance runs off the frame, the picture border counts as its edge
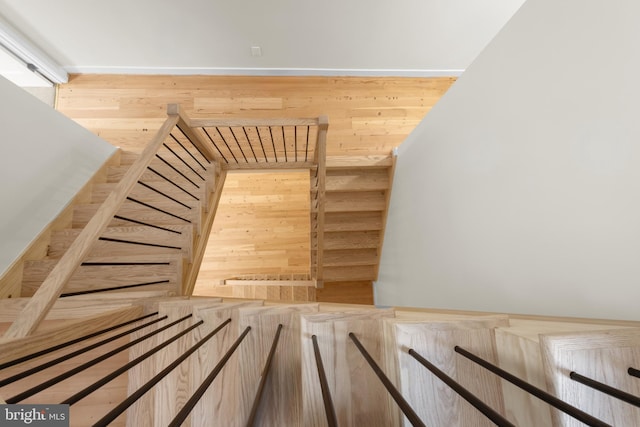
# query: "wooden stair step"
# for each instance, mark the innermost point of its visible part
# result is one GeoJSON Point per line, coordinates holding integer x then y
{"type": "Point", "coordinates": [348, 373]}
{"type": "Point", "coordinates": [351, 240]}
{"type": "Point", "coordinates": [61, 240]}
{"type": "Point", "coordinates": [349, 273]}
{"type": "Point", "coordinates": [357, 180]}
{"type": "Point", "coordinates": [101, 192]}
{"type": "Point", "coordinates": [278, 408]}
{"type": "Point", "coordinates": [82, 214]}
{"type": "Point", "coordinates": [275, 293]}
{"type": "Point", "coordinates": [435, 341]}
{"type": "Point", "coordinates": [93, 277]}
{"type": "Point", "coordinates": [602, 355]}
{"type": "Point", "coordinates": [349, 257]}
{"type": "Point", "coordinates": [115, 174]}
{"type": "Point", "coordinates": [359, 201]}
{"type": "Point", "coordinates": [349, 162]}
{"type": "Point", "coordinates": [218, 403]}
{"type": "Point", "coordinates": [352, 221]}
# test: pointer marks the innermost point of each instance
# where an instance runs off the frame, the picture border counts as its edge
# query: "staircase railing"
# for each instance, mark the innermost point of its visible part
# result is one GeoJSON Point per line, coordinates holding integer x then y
{"type": "Point", "coordinates": [222, 144]}
{"type": "Point", "coordinates": [175, 130]}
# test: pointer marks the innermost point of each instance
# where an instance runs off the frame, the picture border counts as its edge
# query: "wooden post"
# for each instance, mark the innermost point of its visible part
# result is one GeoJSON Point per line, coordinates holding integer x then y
{"type": "Point", "coordinates": [207, 224]}
{"type": "Point", "coordinates": [186, 127]}
{"type": "Point", "coordinates": [321, 156]}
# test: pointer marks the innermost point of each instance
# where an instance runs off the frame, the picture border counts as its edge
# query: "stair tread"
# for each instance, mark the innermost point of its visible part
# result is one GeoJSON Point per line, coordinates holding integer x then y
{"type": "Point", "coordinates": [352, 221]}
{"type": "Point", "coordinates": [358, 201]}
{"type": "Point", "coordinates": [61, 240]}
{"type": "Point", "coordinates": [349, 162]}
{"type": "Point", "coordinates": [82, 214]}
{"type": "Point", "coordinates": [89, 277]}
{"type": "Point", "coordinates": [356, 180]}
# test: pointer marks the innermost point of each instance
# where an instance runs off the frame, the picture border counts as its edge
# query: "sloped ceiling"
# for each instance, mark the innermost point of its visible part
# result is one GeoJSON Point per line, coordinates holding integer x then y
{"type": "Point", "coordinates": [400, 37]}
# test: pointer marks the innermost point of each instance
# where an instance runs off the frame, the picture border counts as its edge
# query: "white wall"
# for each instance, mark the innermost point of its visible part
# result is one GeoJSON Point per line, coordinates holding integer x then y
{"type": "Point", "coordinates": [201, 36]}
{"type": "Point", "coordinates": [520, 191]}
{"type": "Point", "coordinates": [45, 159]}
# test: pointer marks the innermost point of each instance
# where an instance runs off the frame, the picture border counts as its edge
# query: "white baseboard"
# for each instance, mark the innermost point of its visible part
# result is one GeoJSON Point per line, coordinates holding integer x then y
{"type": "Point", "coordinates": [211, 71]}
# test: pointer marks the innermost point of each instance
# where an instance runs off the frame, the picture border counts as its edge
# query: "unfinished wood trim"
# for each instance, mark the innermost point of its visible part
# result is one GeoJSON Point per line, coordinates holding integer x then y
{"type": "Point", "coordinates": [50, 290]}
{"type": "Point", "coordinates": [321, 156]}
{"type": "Point", "coordinates": [385, 213]}
{"type": "Point", "coordinates": [233, 122]}
{"type": "Point", "coordinates": [11, 279]}
{"type": "Point", "coordinates": [268, 166]}
{"type": "Point", "coordinates": [234, 282]}
{"type": "Point", "coordinates": [11, 349]}
{"type": "Point", "coordinates": [186, 126]}
{"type": "Point", "coordinates": [350, 162]}
{"type": "Point", "coordinates": [207, 224]}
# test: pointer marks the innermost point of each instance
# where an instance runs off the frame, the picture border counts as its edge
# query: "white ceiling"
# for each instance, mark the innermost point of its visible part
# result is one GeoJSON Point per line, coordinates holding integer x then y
{"type": "Point", "coordinates": [400, 37]}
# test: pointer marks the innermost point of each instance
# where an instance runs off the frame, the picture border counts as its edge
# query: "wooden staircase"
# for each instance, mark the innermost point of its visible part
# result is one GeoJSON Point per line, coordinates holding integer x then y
{"type": "Point", "coordinates": [149, 243]}
{"type": "Point", "coordinates": [538, 350]}
{"type": "Point", "coordinates": [357, 199]}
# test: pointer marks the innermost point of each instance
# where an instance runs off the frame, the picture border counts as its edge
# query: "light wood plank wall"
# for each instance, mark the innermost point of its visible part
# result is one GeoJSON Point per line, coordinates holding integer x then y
{"type": "Point", "coordinates": [262, 222]}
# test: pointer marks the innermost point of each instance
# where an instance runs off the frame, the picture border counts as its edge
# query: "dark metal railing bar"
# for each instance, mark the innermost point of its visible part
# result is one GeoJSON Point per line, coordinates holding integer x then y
{"type": "Point", "coordinates": [78, 352]}
{"type": "Point", "coordinates": [194, 145]}
{"type": "Point", "coordinates": [114, 288]}
{"type": "Point", "coordinates": [238, 144]}
{"type": "Point", "coordinates": [130, 242]}
{"type": "Point", "coordinates": [74, 341]}
{"type": "Point", "coordinates": [329, 409]}
{"type": "Point", "coordinates": [183, 161]}
{"type": "Point", "coordinates": [486, 410]}
{"type": "Point", "coordinates": [406, 409]}
{"type": "Point", "coordinates": [177, 170]}
{"type": "Point", "coordinates": [284, 144]}
{"type": "Point", "coordinates": [244, 129]}
{"type": "Point", "coordinates": [295, 141]}
{"type": "Point", "coordinates": [191, 403]}
{"type": "Point", "coordinates": [130, 400]}
{"type": "Point", "coordinates": [189, 152]}
{"type": "Point", "coordinates": [215, 145]}
{"type": "Point", "coordinates": [157, 209]}
{"type": "Point", "coordinates": [529, 388]}
{"type": "Point", "coordinates": [163, 194]}
{"type": "Point", "coordinates": [125, 263]}
{"type": "Point", "coordinates": [273, 143]}
{"type": "Point", "coordinates": [225, 143]}
{"type": "Point", "coordinates": [634, 372]}
{"type": "Point", "coordinates": [262, 145]}
{"type": "Point", "coordinates": [104, 380]}
{"type": "Point", "coordinates": [263, 379]}
{"type": "Point", "coordinates": [607, 389]}
{"type": "Point", "coordinates": [43, 386]}
{"type": "Point", "coordinates": [306, 148]}
{"type": "Point", "coordinates": [171, 182]}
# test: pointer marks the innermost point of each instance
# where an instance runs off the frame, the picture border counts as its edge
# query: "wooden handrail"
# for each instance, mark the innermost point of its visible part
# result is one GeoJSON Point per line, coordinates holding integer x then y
{"type": "Point", "coordinates": [49, 291]}
{"type": "Point", "coordinates": [232, 122]}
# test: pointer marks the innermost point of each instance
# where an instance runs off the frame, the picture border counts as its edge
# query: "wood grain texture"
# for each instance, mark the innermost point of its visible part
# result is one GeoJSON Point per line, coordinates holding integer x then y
{"type": "Point", "coordinates": [11, 278]}
{"type": "Point", "coordinates": [77, 326]}
{"type": "Point", "coordinates": [434, 402]}
{"type": "Point", "coordinates": [348, 374]}
{"type": "Point", "coordinates": [368, 116]}
{"type": "Point", "coordinates": [221, 400]}
{"type": "Point", "coordinates": [282, 398]}
{"type": "Point", "coordinates": [601, 355]}
{"type": "Point", "coordinates": [51, 288]}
